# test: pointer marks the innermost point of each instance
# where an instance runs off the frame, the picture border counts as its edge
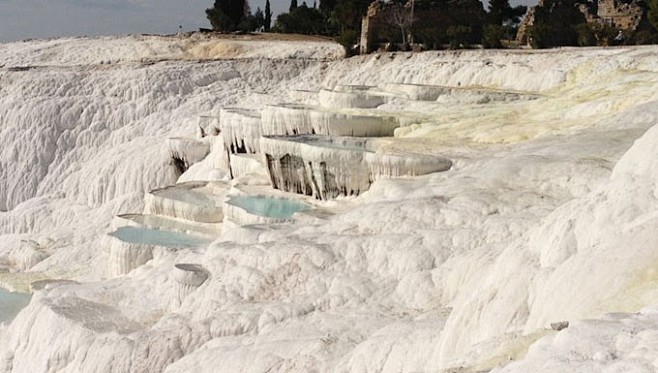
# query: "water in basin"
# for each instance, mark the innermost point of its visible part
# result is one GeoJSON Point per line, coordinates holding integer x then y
{"type": "Point", "coordinates": [354, 146]}
{"type": "Point", "coordinates": [342, 143]}
{"type": "Point", "coordinates": [189, 196]}
{"type": "Point", "coordinates": [140, 235]}
{"type": "Point", "coordinates": [11, 304]}
{"type": "Point", "coordinates": [268, 207]}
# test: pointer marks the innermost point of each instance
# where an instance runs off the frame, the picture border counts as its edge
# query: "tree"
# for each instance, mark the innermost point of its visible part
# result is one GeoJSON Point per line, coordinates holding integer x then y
{"type": "Point", "coordinates": [348, 39]}
{"type": "Point", "coordinates": [556, 24]}
{"type": "Point", "coordinates": [652, 13]}
{"type": "Point", "coordinates": [293, 5]}
{"type": "Point", "coordinates": [327, 6]}
{"type": "Point", "coordinates": [268, 16]}
{"type": "Point", "coordinates": [246, 9]}
{"type": "Point", "coordinates": [458, 35]}
{"type": "Point", "coordinates": [502, 14]}
{"type": "Point", "coordinates": [302, 20]}
{"type": "Point", "coordinates": [252, 22]}
{"type": "Point", "coordinates": [226, 15]}
{"type": "Point", "coordinates": [498, 10]}
{"type": "Point", "coordinates": [219, 20]}
{"type": "Point", "coordinates": [492, 35]}
{"type": "Point", "coordinates": [347, 14]}
{"type": "Point", "coordinates": [402, 18]}
{"type": "Point", "coordinates": [259, 17]}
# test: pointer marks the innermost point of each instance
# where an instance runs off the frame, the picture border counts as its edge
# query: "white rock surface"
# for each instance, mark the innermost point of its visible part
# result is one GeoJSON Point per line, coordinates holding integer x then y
{"type": "Point", "coordinates": [327, 167]}
{"type": "Point", "coordinates": [187, 151]}
{"type": "Point", "coordinates": [548, 214]}
{"type": "Point", "coordinates": [188, 278]}
{"type": "Point", "coordinates": [246, 164]}
{"type": "Point", "coordinates": [241, 130]}
{"type": "Point", "coordinates": [195, 201]}
{"type": "Point", "coordinates": [296, 119]}
{"type": "Point", "coordinates": [340, 99]}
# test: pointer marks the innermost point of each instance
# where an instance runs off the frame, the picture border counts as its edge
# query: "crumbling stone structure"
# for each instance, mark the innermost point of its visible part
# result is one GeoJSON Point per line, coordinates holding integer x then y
{"type": "Point", "coordinates": [615, 13]}
{"type": "Point", "coordinates": [624, 16]}
{"type": "Point", "coordinates": [373, 19]}
{"type": "Point", "coordinates": [522, 35]}
{"type": "Point", "coordinates": [431, 24]}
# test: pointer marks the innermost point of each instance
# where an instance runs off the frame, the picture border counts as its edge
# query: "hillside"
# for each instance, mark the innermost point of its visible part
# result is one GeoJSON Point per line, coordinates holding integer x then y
{"type": "Point", "coordinates": [506, 191]}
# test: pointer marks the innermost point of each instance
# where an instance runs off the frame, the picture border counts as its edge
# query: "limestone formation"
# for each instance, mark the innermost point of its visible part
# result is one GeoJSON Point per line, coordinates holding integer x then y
{"type": "Point", "coordinates": [188, 278]}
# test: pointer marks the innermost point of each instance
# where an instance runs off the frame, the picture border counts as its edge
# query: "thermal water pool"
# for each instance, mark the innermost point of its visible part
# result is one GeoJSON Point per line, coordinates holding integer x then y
{"type": "Point", "coordinates": [148, 236]}
{"type": "Point", "coordinates": [11, 304]}
{"type": "Point", "coordinates": [268, 206]}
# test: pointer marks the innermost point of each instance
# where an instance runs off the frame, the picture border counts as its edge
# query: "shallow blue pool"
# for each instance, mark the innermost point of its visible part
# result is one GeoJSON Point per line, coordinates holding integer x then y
{"type": "Point", "coordinates": [268, 207]}
{"type": "Point", "coordinates": [188, 196]}
{"type": "Point", "coordinates": [344, 143]}
{"type": "Point", "coordinates": [11, 304]}
{"type": "Point", "coordinates": [158, 237]}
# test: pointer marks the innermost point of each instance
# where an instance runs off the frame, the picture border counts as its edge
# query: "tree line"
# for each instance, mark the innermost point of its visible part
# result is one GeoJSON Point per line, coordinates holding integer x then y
{"type": "Point", "coordinates": [236, 15]}
{"type": "Point", "coordinates": [563, 23]}
{"type": "Point", "coordinates": [434, 24]}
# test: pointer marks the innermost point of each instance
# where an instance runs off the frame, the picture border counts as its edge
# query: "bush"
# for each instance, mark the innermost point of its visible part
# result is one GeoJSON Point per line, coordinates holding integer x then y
{"type": "Point", "coordinates": [219, 20]}
{"type": "Point", "coordinates": [348, 39]}
{"type": "Point", "coordinates": [430, 37]}
{"type": "Point", "coordinates": [652, 13]}
{"type": "Point", "coordinates": [556, 24]}
{"type": "Point", "coordinates": [301, 20]}
{"type": "Point", "coordinates": [642, 37]}
{"type": "Point", "coordinates": [458, 36]}
{"type": "Point", "coordinates": [585, 35]}
{"type": "Point", "coordinates": [604, 34]}
{"type": "Point", "coordinates": [492, 35]}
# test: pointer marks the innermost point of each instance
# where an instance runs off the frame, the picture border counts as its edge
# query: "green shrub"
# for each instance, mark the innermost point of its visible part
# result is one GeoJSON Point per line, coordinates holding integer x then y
{"type": "Point", "coordinates": [492, 35]}
{"type": "Point", "coordinates": [348, 39]}
{"type": "Point", "coordinates": [458, 36]}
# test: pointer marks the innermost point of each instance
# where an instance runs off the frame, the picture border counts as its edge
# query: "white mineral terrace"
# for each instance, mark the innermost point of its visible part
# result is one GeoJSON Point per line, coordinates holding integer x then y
{"type": "Point", "coordinates": [348, 99]}
{"type": "Point", "coordinates": [240, 129]}
{"type": "Point", "coordinates": [245, 164]}
{"type": "Point", "coordinates": [533, 250]}
{"type": "Point", "coordinates": [182, 216]}
{"type": "Point", "coordinates": [132, 246]}
{"type": "Point", "coordinates": [187, 151]}
{"type": "Point", "coordinates": [167, 223]}
{"type": "Point", "coordinates": [327, 167]}
{"type": "Point", "coordinates": [297, 119]}
{"type": "Point", "coordinates": [208, 125]}
{"type": "Point", "coordinates": [250, 209]}
{"type": "Point", "coordinates": [188, 278]}
{"type": "Point", "coordinates": [421, 92]}
{"type": "Point", "coordinates": [195, 201]}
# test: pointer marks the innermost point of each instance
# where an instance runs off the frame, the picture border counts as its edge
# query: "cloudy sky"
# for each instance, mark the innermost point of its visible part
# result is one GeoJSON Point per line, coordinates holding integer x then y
{"type": "Point", "coordinates": [24, 19]}
{"type": "Point", "coordinates": [21, 19]}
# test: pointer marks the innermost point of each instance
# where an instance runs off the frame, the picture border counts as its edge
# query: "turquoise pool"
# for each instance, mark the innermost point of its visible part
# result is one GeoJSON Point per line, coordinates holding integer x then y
{"type": "Point", "coordinates": [188, 196]}
{"type": "Point", "coordinates": [11, 304]}
{"type": "Point", "coordinates": [147, 236]}
{"type": "Point", "coordinates": [268, 207]}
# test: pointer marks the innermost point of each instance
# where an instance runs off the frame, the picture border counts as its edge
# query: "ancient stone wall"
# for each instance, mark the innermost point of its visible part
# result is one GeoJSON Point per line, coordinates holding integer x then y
{"type": "Point", "coordinates": [624, 16]}
{"type": "Point", "coordinates": [380, 19]}
{"type": "Point", "coordinates": [621, 15]}
{"type": "Point", "coordinates": [374, 19]}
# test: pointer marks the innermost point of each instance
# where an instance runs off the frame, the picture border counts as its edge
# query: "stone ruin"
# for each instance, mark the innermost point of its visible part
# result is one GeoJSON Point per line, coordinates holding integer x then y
{"type": "Point", "coordinates": [382, 16]}
{"type": "Point", "coordinates": [619, 14]}
{"type": "Point", "coordinates": [624, 16]}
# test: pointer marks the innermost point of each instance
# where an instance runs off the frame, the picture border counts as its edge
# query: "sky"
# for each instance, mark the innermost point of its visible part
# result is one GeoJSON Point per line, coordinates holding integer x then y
{"type": "Point", "coordinates": [29, 19]}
